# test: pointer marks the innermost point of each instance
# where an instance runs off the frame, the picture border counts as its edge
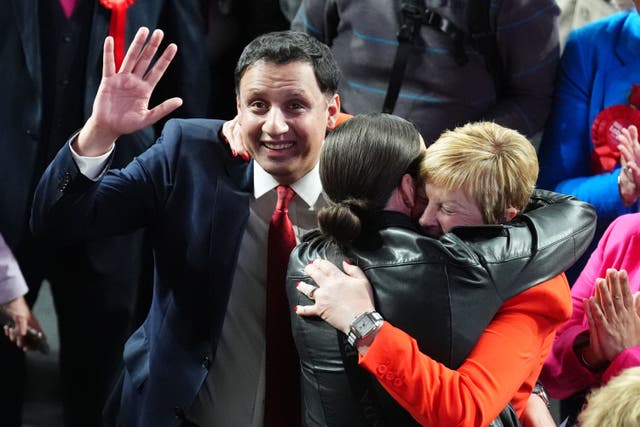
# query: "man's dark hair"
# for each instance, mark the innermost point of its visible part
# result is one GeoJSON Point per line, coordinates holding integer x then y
{"type": "Point", "coordinates": [282, 47]}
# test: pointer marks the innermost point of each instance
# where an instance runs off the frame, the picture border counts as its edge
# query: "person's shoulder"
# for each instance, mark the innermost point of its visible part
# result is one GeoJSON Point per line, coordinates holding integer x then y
{"type": "Point", "coordinates": [595, 31]}
{"type": "Point", "coordinates": [621, 235]}
{"type": "Point", "coordinates": [314, 245]}
{"type": "Point", "coordinates": [403, 243]}
{"type": "Point", "coordinates": [551, 299]}
{"type": "Point", "coordinates": [628, 224]}
{"type": "Point", "coordinates": [194, 138]}
{"type": "Point", "coordinates": [194, 128]}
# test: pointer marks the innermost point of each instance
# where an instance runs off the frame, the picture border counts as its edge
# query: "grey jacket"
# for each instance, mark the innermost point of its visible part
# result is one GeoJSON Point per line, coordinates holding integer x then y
{"type": "Point", "coordinates": [437, 93]}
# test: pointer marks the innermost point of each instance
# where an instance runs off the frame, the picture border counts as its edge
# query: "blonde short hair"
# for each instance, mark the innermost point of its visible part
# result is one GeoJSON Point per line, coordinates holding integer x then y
{"type": "Point", "coordinates": [615, 404]}
{"type": "Point", "coordinates": [494, 166]}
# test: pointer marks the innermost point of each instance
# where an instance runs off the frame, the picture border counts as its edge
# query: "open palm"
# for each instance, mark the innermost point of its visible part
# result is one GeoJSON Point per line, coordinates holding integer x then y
{"type": "Point", "coordinates": [121, 105]}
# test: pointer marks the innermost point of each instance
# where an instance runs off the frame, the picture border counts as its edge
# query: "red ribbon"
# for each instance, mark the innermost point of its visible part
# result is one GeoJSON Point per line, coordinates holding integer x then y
{"type": "Point", "coordinates": [604, 159]}
{"type": "Point", "coordinates": [118, 26]}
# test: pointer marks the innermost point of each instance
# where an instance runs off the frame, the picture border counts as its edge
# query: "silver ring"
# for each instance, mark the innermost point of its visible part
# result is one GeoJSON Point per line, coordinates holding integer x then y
{"type": "Point", "coordinates": [313, 291]}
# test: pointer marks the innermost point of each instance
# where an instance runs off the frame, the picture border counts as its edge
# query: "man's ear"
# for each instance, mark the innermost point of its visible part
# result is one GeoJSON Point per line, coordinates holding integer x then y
{"type": "Point", "coordinates": [334, 111]}
{"type": "Point", "coordinates": [510, 213]}
{"type": "Point", "coordinates": [408, 190]}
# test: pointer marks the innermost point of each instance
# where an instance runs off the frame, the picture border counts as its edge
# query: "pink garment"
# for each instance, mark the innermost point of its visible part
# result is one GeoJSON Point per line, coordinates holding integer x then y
{"type": "Point", "coordinates": [68, 6]}
{"type": "Point", "coordinates": [563, 374]}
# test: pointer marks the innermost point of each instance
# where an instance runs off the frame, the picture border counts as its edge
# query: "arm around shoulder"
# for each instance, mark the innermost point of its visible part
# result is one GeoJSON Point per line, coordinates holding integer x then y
{"type": "Point", "coordinates": [486, 382]}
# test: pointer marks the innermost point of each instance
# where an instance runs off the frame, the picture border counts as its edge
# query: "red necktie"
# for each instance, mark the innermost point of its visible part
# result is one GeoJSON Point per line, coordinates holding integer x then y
{"type": "Point", "coordinates": [282, 394]}
{"type": "Point", "coordinates": [68, 6]}
{"type": "Point", "coordinates": [118, 26]}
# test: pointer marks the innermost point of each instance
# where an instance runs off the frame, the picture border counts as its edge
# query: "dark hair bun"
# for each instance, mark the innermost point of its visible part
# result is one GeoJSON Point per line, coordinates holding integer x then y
{"type": "Point", "coordinates": [342, 221]}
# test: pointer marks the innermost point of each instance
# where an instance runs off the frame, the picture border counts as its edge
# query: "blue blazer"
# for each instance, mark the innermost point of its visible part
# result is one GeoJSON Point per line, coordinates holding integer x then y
{"type": "Point", "coordinates": [194, 196]}
{"type": "Point", "coordinates": [599, 64]}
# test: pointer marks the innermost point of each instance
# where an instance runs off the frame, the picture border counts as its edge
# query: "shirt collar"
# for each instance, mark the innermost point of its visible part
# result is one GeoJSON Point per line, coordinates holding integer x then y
{"type": "Point", "coordinates": [308, 187]}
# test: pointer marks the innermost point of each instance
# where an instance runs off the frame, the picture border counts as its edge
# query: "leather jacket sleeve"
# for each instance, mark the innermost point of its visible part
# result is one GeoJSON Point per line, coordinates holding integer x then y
{"type": "Point", "coordinates": [540, 243]}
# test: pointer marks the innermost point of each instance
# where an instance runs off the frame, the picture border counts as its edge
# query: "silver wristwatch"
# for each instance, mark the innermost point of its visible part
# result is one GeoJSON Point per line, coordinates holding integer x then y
{"type": "Point", "coordinates": [363, 326]}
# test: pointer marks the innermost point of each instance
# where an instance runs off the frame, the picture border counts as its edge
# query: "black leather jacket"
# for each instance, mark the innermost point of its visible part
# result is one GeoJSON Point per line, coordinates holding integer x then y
{"type": "Point", "coordinates": [442, 292]}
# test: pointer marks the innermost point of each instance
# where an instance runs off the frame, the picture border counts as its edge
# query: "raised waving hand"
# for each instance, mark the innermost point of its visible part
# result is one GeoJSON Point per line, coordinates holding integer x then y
{"type": "Point", "coordinates": [121, 105]}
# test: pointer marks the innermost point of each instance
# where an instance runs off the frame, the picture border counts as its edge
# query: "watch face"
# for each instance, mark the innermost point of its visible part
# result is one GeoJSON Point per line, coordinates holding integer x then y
{"type": "Point", "coordinates": [364, 325]}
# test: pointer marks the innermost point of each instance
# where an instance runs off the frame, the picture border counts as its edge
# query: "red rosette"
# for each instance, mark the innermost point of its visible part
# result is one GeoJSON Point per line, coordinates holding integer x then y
{"type": "Point", "coordinates": [607, 125]}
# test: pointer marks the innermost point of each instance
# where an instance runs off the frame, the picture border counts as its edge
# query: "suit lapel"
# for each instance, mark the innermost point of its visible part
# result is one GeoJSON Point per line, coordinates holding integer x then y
{"type": "Point", "coordinates": [27, 21]}
{"type": "Point", "coordinates": [228, 222]}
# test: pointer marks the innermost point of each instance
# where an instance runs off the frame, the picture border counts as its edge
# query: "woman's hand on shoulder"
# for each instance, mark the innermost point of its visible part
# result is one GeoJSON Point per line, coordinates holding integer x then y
{"type": "Point", "coordinates": [339, 297]}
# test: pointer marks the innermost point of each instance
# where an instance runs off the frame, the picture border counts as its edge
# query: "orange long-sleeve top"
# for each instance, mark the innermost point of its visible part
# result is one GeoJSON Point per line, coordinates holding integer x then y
{"type": "Point", "coordinates": [502, 367]}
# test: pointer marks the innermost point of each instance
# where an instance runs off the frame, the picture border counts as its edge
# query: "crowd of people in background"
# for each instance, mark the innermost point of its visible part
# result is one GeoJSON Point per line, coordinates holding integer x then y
{"type": "Point", "coordinates": [155, 225]}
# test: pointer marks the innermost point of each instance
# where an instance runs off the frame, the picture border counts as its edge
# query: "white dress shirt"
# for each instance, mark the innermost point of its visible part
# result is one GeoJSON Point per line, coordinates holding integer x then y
{"type": "Point", "coordinates": [233, 394]}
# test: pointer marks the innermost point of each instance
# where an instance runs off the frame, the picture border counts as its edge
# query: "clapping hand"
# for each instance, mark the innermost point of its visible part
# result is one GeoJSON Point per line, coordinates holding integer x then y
{"type": "Point", "coordinates": [121, 105]}
{"type": "Point", "coordinates": [629, 178]}
{"type": "Point", "coordinates": [613, 314]}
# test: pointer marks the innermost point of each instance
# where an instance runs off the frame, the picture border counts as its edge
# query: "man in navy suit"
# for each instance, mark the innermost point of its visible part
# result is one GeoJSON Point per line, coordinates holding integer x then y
{"type": "Point", "coordinates": [199, 355]}
{"type": "Point", "coordinates": [49, 75]}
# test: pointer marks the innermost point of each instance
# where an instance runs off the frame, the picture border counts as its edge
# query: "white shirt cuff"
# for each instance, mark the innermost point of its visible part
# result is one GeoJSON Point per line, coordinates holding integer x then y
{"type": "Point", "coordinates": [91, 167]}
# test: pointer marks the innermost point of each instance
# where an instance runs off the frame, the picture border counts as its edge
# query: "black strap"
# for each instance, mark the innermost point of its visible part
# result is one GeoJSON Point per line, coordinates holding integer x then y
{"type": "Point", "coordinates": [412, 14]}
{"type": "Point", "coordinates": [410, 21]}
{"type": "Point", "coordinates": [482, 18]}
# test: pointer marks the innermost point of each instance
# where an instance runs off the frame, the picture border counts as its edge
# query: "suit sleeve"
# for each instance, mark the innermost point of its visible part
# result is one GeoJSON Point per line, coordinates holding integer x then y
{"type": "Point", "coordinates": [507, 355]}
{"type": "Point", "coordinates": [69, 207]}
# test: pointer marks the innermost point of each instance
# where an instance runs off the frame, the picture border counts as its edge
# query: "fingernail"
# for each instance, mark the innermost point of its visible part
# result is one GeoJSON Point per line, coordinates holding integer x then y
{"type": "Point", "coordinates": [295, 308]}
{"type": "Point", "coordinates": [234, 153]}
{"type": "Point", "coordinates": [245, 157]}
{"type": "Point", "coordinates": [346, 261]}
{"type": "Point", "coordinates": [297, 284]}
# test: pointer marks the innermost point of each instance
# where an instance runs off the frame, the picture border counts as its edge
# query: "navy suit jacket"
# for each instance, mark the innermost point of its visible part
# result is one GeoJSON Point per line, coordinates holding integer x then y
{"type": "Point", "coordinates": [21, 83]}
{"type": "Point", "coordinates": [194, 196]}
